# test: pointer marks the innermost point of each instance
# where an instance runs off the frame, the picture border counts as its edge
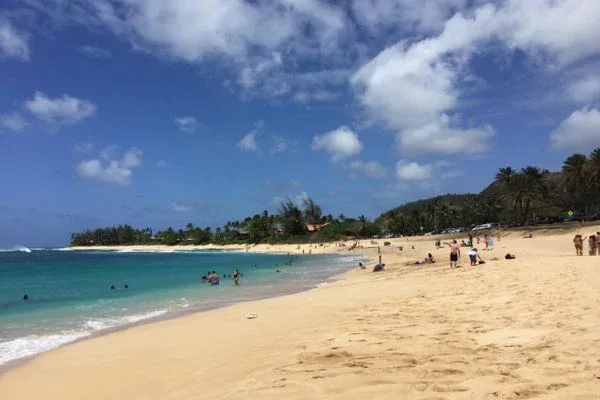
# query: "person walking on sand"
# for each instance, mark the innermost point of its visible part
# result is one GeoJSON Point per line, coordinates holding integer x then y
{"type": "Point", "coordinates": [578, 243]}
{"type": "Point", "coordinates": [593, 244]}
{"type": "Point", "coordinates": [454, 254]}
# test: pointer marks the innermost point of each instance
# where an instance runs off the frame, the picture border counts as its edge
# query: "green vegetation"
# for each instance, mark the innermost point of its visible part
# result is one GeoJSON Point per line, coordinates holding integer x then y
{"type": "Point", "coordinates": [525, 197]}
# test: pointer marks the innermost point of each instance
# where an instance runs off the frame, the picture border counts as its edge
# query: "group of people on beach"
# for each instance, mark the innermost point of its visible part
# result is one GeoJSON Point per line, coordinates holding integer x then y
{"type": "Point", "coordinates": [593, 244]}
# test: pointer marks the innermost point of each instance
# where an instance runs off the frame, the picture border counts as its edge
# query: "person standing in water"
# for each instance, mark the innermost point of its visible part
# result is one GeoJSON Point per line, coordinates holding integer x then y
{"type": "Point", "coordinates": [454, 254]}
{"type": "Point", "coordinates": [236, 278]}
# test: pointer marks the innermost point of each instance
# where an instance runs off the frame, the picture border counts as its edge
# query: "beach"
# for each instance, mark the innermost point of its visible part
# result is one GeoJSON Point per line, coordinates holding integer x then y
{"type": "Point", "coordinates": [507, 329]}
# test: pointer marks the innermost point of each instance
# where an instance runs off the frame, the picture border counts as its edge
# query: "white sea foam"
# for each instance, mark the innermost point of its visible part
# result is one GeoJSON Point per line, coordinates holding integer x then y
{"type": "Point", "coordinates": [105, 323]}
{"type": "Point", "coordinates": [31, 345]}
{"type": "Point", "coordinates": [22, 249]}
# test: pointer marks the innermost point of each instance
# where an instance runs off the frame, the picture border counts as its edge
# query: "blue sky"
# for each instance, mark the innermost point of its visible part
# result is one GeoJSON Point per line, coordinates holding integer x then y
{"type": "Point", "coordinates": [158, 113]}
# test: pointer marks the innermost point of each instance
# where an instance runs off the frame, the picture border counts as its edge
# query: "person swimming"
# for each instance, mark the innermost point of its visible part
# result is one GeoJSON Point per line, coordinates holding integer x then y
{"type": "Point", "coordinates": [213, 279]}
{"type": "Point", "coordinates": [25, 297]}
{"type": "Point", "coordinates": [112, 287]}
{"type": "Point", "coordinates": [126, 286]}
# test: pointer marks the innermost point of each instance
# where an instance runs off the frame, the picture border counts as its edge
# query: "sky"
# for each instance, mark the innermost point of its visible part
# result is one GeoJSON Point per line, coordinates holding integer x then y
{"type": "Point", "coordinates": [157, 113]}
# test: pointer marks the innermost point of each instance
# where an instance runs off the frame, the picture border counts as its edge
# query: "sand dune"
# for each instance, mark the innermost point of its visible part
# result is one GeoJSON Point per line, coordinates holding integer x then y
{"type": "Point", "coordinates": [509, 329]}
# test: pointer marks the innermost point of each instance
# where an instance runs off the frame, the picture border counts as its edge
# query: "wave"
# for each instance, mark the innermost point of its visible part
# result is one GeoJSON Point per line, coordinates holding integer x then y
{"type": "Point", "coordinates": [22, 249]}
{"type": "Point", "coordinates": [31, 345]}
{"type": "Point", "coordinates": [99, 324]}
{"type": "Point", "coordinates": [34, 344]}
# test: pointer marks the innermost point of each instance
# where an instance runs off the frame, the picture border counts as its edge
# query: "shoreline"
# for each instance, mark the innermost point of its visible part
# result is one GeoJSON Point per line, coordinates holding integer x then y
{"type": "Point", "coordinates": [182, 313]}
{"type": "Point", "coordinates": [527, 327]}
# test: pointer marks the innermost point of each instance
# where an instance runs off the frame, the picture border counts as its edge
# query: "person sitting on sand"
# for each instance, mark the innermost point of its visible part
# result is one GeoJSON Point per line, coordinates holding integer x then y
{"type": "Point", "coordinates": [378, 267]}
{"type": "Point", "coordinates": [427, 260]}
{"type": "Point", "coordinates": [361, 266]}
{"type": "Point", "coordinates": [593, 244]}
{"type": "Point", "coordinates": [474, 256]}
{"type": "Point", "coordinates": [509, 256]}
{"type": "Point", "coordinates": [578, 243]}
{"type": "Point", "coordinates": [463, 244]}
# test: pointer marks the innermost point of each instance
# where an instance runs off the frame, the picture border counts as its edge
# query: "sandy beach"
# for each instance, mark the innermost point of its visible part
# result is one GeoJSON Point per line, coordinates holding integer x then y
{"type": "Point", "coordinates": [509, 329]}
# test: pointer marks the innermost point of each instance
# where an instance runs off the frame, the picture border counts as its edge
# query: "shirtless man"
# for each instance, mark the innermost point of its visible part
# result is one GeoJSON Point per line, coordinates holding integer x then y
{"type": "Point", "coordinates": [454, 254]}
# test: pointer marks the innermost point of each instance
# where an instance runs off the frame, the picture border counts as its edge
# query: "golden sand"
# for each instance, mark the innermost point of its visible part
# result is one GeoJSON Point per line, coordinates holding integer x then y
{"type": "Point", "coordinates": [509, 329]}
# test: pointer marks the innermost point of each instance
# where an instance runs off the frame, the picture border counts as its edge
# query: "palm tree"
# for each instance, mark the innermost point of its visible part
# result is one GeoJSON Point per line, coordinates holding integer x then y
{"type": "Point", "coordinates": [574, 173]}
{"type": "Point", "coordinates": [534, 188]}
{"type": "Point", "coordinates": [505, 175]}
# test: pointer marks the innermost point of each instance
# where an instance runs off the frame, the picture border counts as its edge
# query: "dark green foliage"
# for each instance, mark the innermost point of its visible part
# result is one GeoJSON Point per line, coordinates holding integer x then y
{"type": "Point", "coordinates": [525, 196]}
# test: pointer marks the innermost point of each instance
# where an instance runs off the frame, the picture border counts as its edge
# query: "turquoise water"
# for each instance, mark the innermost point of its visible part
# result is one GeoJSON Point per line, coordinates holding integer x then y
{"type": "Point", "coordinates": [71, 297]}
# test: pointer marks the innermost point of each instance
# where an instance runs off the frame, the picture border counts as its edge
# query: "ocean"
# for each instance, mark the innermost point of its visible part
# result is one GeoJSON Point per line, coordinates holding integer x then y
{"type": "Point", "coordinates": [70, 295]}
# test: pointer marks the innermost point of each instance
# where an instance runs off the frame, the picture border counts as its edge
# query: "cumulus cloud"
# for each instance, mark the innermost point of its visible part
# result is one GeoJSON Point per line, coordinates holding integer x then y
{"type": "Point", "coordinates": [339, 143]}
{"type": "Point", "coordinates": [13, 44]}
{"type": "Point", "coordinates": [61, 110]}
{"type": "Point", "coordinates": [585, 90]}
{"type": "Point", "coordinates": [94, 52]}
{"type": "Point", "coordinates": [187, 124]}
{"type": "Point", "coordinates": [580, 131]}
{"type": "Point", "coordinates": [248, 143]}
{"type": "Point", "coordinates": [413, 171]}
{"type": "Point", "coordinates": [117, 172]}
{"type": "Point", "coordinates": [13, 121]}
{"type": "Point", "coordinates": [371, 169]}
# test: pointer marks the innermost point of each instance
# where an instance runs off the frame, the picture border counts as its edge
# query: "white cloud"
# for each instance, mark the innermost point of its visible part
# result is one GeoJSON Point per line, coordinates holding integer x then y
{"type": "Point", "coordinates": [84, 148]}
{"type": "Point", "coordinates": [94, 52]}
{"type": "Point", "coordinates": [13, 44]}
{"type": "Point", "coordinates": [412, 171]}
{"type": "Point", "coordinates": [248, 143]}
{"type": "Point", "coordinates": [440, 137]}
{"type": "Point", "coordinates": [339, 143]}
{"type": "Point", "coordinates": [117, 172]}
{"type": "Point", "coordinates": [281, 145]}
{"type": "Point", "coordinates": [187, 124]}
{"type": "Point", "coordinates": [423, 15]}
{"type": "Point", "coordinates": [180, 207]}
{"type": "Point", "coordinates": [580, 131]}
{"type": "Point", "coordinates": [371, 169]}
{"type": "Point", "coordinates": [318, 95]}
{"type": "Point", "coordinates": [60, 110]}
{"type": "Point", "coordinates": [585, 90]}
{"type": "Point", "coordinates": [13, 121]}
{"type": "Point", "coordinates": [297, 199]}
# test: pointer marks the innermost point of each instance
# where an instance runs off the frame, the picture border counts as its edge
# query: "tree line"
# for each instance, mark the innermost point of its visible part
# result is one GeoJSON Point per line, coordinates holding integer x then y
{"type": "Point", "coordinates": [516, 197]}
{"type": "Point", "coordinates": [292, 223]}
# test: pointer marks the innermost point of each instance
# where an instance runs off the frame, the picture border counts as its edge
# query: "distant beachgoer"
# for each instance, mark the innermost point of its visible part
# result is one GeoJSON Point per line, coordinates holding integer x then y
{"type": "Point", "coordinates": [490, 242]}
{"type": "Point", "coordinates": [378, 267]}
{"type": "Point", "coordinates": [470, 241]}
{"type": "Point", "coordinates": [236, 278]}
{"type": "Point", "coordinates": [454, 254]}
{"type": "Point", "coordinates": [126, 286]}
{"type": "Point", "coordinates": [361, 266]}
{"type": "Point", "coordinates": [578, 243]}
{"type": "Point", "coordinates": [593, 245]}
{"type": "Point", "coordinates": [427, 260]}
{"type": "Point", "coordinates": [112, 287]}
{"type": "Point", "coordinates": [463, 244]}
{"type": "Point", "coordinates": [485, 242]}
{"type": "Point", "coordinates": [478, 239]}
{"type": "Point", "coordinates": [509, 256]}
{"type": "Point", "coordinates": [277, 270]}
{"type": "Point", "coordinates": [213, 279]}
{"type": "Point", "coordinates": [474, 256]}
{"type": "Point", "coordinates": [26, 297]}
